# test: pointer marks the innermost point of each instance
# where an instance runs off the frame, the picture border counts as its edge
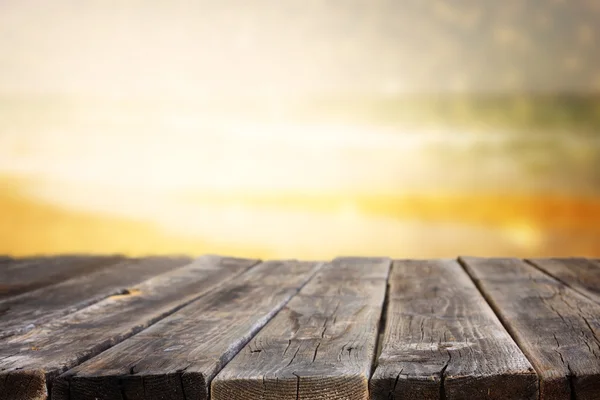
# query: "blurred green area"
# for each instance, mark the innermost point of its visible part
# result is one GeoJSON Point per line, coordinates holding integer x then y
{"type": "Point", "coordinates": [571, 113]}
{"type": "Point", "coordinates": [553, 140]}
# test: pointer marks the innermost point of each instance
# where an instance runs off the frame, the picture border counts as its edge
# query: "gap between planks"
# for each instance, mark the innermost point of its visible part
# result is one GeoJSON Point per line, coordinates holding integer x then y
{"type": "Point", "coordinates": [18, 276]}
{"type": "Point", "coordinates": [35, 308]}
{"type": "Point", "coordinates": [556, 327]}
{"type": "Point", "coordinates": [580, 274]}
{"type": "Point", "coordinates": [442, 340]}
{"type": "Point", "coordinates": [177, 357]}
{"type": "Point", "coordinates": [320, 346]}
{"type": "Point", "coordinates": [30, 362]}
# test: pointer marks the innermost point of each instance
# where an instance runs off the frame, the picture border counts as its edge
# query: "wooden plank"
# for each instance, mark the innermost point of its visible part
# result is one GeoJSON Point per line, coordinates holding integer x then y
{"type": "Point", "coordinates": [320, 346]}
{"type": "Point", "coordinates": [29, 363]}
{"type": "Point", "coordinates": [557, 328]}
{"type": "Point", "coordinates": [442, 340]}
{"type": "Point", "coordinates": [26, 274]}
{"type": "Point", "coordinates": [179, 356]}
{"type": "Point", "coordinates": [580, 274]}
{"type": "Point", "coordinates": [22, 313]}
{"type": "Point", "coordinates": [5, 260]}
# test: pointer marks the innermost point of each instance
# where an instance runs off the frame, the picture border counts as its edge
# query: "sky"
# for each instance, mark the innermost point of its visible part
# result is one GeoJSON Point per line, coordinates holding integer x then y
{"type": "Point", "coordinates": [294, 47]}
{"type": "Point", "coordinates": [121, 129]}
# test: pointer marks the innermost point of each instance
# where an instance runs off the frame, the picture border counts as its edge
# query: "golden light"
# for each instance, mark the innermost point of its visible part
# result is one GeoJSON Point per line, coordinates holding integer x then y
{"type": "Point", "coordinates": [296, 129]}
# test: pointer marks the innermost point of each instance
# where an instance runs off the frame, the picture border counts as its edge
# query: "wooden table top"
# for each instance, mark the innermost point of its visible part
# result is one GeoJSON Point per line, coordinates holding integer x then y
{"type": "Point", "coordinates": [111, 327]}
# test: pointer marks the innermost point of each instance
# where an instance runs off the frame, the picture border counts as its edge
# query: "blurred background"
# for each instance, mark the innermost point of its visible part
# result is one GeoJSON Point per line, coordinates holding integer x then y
{"type": "Point", "coordinates": [300, 128]}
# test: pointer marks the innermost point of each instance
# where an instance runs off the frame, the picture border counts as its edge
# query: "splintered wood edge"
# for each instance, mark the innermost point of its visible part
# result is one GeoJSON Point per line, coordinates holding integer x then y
{"type": "Point", "coordinates": [522, 384]}
{"type": "Point", "coordinates": [23, 384]}
{"type": "Point", "coordinates": [350, 387]}
{"type": "Point", "coordinates": [192, 384]}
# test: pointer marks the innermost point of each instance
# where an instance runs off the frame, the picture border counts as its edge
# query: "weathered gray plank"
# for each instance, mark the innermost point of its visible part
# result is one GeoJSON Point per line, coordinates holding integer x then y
{"type": "Point", "coordinates": [179, 356]}
{"type": "Point", "coordinates": [580, 274]}
{"type": "Point", "coordinates": [320, 346]}
{"type": "Point", "coordinates": [5, 260]}
{"type": "Point", "coordinates": [29, 362]}
{"type": "Point", "coordinates": [19, 276]}
{"type": "Point", "coordinates": [21, 313]}
{"type": "Point", "coordinates": [443, 341]}
{"type": "Point", "coordinates": [557, 328]}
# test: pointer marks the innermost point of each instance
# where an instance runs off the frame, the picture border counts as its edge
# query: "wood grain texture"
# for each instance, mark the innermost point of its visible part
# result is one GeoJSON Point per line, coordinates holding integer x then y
{"type": "Point", "coordinates": [557, 328]}
{"type": "Point", "coordinates": [22, 313]}
{"type": "Point", "coordinates": [19, 276]}
{"type": "Point", "coordinates": [443, 341]}
{"type": "Point", "coordinates": [320, 346]}
{"type": "Point", "coordinates": [29, 362]}
{"type": "Point", "coordinates": [178, 357]}
{"type": "Point", "coordinates": [580, 274]}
